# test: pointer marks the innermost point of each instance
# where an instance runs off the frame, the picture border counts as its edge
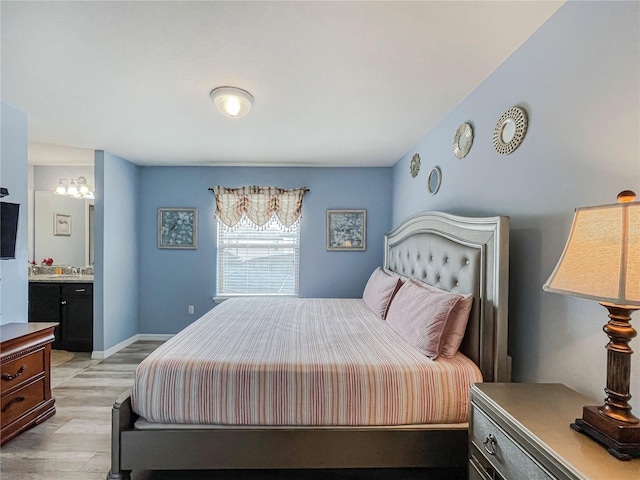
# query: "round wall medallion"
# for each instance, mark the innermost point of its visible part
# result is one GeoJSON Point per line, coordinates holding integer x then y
{"type": "Point", "coordinates": [510, 130]}
{"type": "Point", "coordinates": [415, 165]}
{"type": "Point", "coordinates": [434, 179]}
{"type": "Point", "coordinates": [463, 140]}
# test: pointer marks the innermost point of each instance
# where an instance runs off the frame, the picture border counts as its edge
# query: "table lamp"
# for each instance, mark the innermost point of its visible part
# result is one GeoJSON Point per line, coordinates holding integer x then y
{"type": "Point", "coordinates": [601, 261]}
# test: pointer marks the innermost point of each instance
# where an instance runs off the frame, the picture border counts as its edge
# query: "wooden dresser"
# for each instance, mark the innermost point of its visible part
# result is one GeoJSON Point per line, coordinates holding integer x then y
{"type": "Point", "coordinates": [25, 377]}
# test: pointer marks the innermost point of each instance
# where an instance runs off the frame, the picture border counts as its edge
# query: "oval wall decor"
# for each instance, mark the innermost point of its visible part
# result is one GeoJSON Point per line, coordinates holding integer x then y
{"type": "Point", "coordinates": [510, 130]}
{"type": "Point", "coordinates": [463, 140]}
{"type": "Point", "coordinates": [415, 165]}
{"type": "Point", "coordinates": [434, 180]}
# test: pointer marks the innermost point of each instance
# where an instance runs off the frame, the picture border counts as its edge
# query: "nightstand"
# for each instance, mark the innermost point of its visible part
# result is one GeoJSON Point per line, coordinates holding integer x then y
{"type": "Point", "coordinates": [25, 380]}
{"type": "Point", "coordinates": [521, 432]}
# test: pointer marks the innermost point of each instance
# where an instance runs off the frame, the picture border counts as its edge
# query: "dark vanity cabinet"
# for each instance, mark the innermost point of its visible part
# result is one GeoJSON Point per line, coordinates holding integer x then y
{"type": "Point", "coordinates": [68, 304]}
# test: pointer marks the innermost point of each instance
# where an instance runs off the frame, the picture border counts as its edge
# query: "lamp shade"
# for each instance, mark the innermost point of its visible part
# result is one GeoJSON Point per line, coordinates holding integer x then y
{"type": "Point", "coordinates": [601, 259]}
{"type": "Point", "coordinates": [61, 189]}
{"type": "Point", "coordinates": [73, 188]}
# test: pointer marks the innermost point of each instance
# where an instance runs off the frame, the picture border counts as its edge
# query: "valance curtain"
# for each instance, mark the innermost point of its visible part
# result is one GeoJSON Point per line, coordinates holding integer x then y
{"type": "Point", "coordinates": [258, 204]}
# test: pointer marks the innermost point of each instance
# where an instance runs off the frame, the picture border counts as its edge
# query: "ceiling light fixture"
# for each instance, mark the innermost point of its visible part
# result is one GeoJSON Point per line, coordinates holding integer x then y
{"type": "Point", "coordinates": [231, 101]}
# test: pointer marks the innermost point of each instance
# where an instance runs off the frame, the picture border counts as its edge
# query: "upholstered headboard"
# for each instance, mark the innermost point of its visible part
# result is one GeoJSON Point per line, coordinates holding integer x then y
{"type": "Point", "coordinates": [462, 255]}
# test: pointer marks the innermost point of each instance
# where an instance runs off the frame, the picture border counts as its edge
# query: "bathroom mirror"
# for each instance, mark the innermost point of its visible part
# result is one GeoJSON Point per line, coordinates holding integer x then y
{"type": "Point", "coordinates": [434, 179]}
{"type": "Point", "coordinates": [75, 249]}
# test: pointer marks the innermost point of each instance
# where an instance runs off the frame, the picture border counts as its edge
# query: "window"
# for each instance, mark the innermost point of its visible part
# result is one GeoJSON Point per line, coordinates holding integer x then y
{"type": "Point", "coordinates": [258, 240]}
{"type": "Point", "coordinates": [258, 261]}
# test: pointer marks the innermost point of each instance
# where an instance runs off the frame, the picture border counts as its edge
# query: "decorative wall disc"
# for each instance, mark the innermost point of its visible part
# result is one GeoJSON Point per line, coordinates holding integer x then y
{"type": "Point", "coordinates": [463, 140]}
{"type": "Point", "coordinates": [415, 165]}
{"type": "Point", "coordinates": [510, 130]}
{"type": "Point", "coordinates": [434, 180]}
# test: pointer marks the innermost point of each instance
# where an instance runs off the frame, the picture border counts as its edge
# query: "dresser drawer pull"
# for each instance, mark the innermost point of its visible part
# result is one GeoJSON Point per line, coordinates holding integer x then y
{"type": "Point", "coordinates": [490, 444]}
{"type": "Point", "coordinates": [8, 377]}
{"type": "Point", "coordinates": [81, 290]}
{"type": "Point", "coordinates": [11, 402]}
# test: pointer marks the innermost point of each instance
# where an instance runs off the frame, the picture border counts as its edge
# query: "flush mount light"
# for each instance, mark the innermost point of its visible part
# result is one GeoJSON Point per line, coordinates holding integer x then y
{"type": "Point", "coordinates": [232, 102]}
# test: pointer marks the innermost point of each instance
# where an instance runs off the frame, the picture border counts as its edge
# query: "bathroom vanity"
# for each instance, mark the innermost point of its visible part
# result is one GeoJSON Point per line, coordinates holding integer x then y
{"type": "Point", "coordinates": [68, 301]}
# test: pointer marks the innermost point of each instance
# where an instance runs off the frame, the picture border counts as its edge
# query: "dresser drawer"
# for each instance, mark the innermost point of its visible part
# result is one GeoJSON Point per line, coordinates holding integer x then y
{"type": "Point", "coordinates": [501, 451]}
{"type": "Point", "coordinates": [21, 401]}
{"type": "Point", "coordinates": [21, 369]}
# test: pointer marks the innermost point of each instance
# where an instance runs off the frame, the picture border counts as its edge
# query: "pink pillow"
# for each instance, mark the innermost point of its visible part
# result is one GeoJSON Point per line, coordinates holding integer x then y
{"type": "Point", "coordinates": [379, 291]}
{"type": "Point", "coordinates": [393, 274]}
{"type": "Point", "coordinates": [456, 324]}
{"type": "Point", "coordinates": [420, 315]}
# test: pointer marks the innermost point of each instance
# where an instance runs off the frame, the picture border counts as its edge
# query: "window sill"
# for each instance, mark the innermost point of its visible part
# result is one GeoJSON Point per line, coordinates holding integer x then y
{"type": "Point", "coordinates": [222, 298]}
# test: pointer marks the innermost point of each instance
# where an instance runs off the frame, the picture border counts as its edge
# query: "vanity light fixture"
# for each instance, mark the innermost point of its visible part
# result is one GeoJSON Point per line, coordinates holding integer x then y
{"type": "Point", "coordinates": [231, 101]}
{"type": "Point", "coordinates": [76, 188]}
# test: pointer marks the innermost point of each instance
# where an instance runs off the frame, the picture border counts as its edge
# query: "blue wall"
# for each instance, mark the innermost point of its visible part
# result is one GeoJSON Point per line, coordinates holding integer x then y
{"type": "Point", "coordinates": [117, 264]}
{"type": "Point", "coordinates": [577, 77]}
{"type": "Point", "coordinates": [14, 288]}
{"type": "Point", "coordinates": [170, 280]}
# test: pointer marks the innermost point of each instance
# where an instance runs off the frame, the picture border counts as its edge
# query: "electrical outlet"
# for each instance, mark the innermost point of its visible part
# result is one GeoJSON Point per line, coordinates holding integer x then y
{"type": "Point", "coordinates": [191, 310]}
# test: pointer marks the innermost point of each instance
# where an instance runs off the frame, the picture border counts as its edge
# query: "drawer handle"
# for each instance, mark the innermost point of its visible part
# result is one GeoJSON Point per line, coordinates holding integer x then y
{"type": "Point", "coordinates": [11, 402]}
{"type": "Point", "coordinates": [490, 444]}
{"type": "Point", "coordinates": [81, 289]}
{"type": "Point", "coordinates": [8, 377]}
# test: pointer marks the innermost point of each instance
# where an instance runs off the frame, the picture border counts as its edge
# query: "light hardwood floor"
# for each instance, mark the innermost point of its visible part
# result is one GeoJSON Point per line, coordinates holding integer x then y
{"type": "Point", "coordinates": [75, 443]}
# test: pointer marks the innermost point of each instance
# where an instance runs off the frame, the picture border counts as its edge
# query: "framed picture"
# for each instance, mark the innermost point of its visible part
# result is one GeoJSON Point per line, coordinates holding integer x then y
{"type": "Point", "coordinates": [178, 228]}
{"type": "Point", "coordinates": [61, 224]}
{"type": "Point", "coordinates": [346, 230]}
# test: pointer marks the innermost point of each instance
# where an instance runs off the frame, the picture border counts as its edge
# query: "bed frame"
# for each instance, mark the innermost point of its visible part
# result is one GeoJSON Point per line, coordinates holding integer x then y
{"type": "Point", "coordinates": [463, 255]}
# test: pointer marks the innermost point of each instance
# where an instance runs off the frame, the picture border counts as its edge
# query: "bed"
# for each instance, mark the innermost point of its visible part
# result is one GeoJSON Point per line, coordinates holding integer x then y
{"type": "Point", "coordinates": [458, 254]}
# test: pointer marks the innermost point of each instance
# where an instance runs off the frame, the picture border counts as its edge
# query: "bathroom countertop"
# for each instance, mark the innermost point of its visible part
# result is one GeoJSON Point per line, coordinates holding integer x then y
{"type": "Point", "coordinates": [61, 278]}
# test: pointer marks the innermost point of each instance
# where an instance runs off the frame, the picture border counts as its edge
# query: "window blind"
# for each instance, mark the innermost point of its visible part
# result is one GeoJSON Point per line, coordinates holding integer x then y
{"type": "Point", "coordinates": [260, 261]}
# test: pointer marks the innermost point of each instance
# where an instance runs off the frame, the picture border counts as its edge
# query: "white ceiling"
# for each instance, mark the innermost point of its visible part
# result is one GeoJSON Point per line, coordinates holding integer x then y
{"type": "Point", "coordinates": [335, 83]}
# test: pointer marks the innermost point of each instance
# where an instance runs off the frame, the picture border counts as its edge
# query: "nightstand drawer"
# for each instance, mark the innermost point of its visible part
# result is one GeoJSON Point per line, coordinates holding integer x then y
{"type": "Point", "coordinates": [501, 451]}
{"type": "Point", "coordinates": [21, 369]}
{"type": "Point", "coordinates": [479, 472]}
{"type": "Point", "coordinates": [21, 401]}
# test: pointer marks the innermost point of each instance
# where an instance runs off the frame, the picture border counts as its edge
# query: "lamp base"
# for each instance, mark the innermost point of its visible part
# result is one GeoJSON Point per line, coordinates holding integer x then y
{"type": "Point", "coordinates": [621, 439]}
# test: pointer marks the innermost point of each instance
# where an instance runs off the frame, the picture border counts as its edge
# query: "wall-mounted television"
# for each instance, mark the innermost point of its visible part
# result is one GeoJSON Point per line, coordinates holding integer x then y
{"type": "Point", "coordinates": [8, 229]}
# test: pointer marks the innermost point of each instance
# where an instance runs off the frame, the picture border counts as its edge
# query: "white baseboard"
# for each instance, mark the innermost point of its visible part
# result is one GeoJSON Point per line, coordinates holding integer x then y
{"type": "Point", "coordinates": [157, 337]}
{"type": "Point", "coordinates": [154, 337]}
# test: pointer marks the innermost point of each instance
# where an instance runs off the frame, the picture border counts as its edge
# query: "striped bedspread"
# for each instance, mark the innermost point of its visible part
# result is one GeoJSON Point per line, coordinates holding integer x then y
{"type": "Point", "coordinates": [298, 362]}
